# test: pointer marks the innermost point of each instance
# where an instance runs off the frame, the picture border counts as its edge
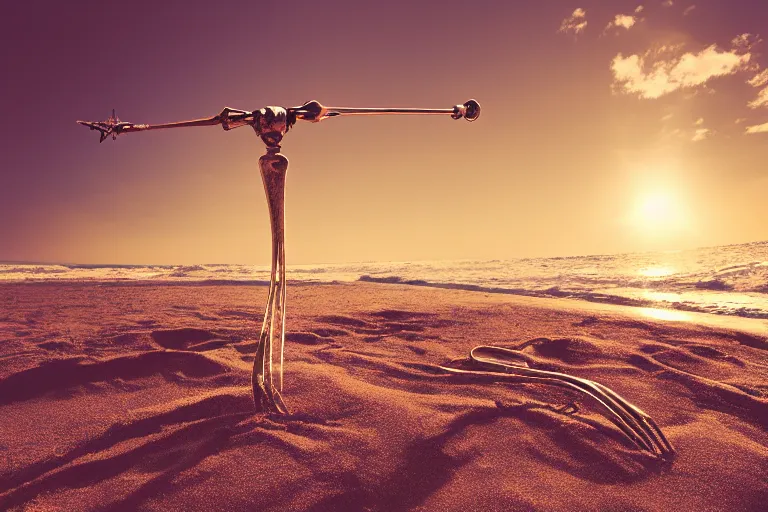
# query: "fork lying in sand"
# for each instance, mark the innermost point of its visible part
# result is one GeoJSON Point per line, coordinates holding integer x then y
{"type": "Point", "coordinates": [497, 364]}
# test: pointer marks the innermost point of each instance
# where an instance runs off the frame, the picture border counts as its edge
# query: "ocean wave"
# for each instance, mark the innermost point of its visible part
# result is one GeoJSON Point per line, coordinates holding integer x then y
{"type": "Point", "coordinates": [32, 269]}
{"type": "Point", "coordinates": [185, 271]}
{"type": "Point", "coordinates": [708, 305]}
{"type": "Point", "coordinates": [714, 284]}
{"type": "Point", "coordinates": [726, 280]}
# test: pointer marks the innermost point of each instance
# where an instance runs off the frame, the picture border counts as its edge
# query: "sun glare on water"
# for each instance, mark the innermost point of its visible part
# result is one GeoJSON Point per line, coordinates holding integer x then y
{"type": "Point", "coordinates": [656, 271]}
{"type": "Point", "coordinates": [665, 314]}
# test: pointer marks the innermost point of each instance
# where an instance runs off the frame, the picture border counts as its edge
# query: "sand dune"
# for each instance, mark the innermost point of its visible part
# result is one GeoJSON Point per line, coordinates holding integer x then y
{"type": "Point", "coordinates": [136, 397]}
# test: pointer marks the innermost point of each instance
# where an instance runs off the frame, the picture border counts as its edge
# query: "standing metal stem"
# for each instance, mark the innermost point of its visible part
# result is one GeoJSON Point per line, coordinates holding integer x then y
{"type": "Point", "coordinates": [266, 386]}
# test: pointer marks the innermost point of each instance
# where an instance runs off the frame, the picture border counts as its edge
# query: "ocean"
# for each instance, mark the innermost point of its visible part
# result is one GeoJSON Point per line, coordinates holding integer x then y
{"type": "Point", "coordinates": [725, 280]}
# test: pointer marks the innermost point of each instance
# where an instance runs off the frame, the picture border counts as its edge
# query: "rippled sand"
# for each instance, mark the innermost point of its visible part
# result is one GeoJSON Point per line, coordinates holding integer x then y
{"type": "Point", "coordinates": [136, 397]}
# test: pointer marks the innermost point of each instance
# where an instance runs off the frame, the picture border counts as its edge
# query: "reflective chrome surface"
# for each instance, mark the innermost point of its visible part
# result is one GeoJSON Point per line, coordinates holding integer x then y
{"type": "Point", "coordinates": [266, 386]}
{"type": "Point", "coordinates": [271, 124]}
{"type": "Point", "coordinates": [498, 364]}
{"type": "Point", "coordinates": [487, 363]}
{"type": "Point", "coordinates": [315, 112]}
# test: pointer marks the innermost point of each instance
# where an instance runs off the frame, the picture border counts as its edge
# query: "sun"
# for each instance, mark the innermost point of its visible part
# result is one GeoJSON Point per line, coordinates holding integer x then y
{"type": "Point", "coordinates": [656, 209]}
{"type": "Point", "coordinates": [659, 212]}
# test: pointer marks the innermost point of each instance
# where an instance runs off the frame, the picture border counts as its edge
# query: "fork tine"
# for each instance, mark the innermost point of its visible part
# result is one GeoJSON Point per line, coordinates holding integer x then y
{"type": "Point", "coordinates": [611, 414]}
{"type": "Point", "coordinates": [614, 401]}
{"type": "Point", "coordinates": [621, 407]}
{"type": "Point", "coordinates": [634, 423]}
{"type": "Point", "coordinates": [660, 440]}
{"type": "Point", "coordinates": [669, 449]}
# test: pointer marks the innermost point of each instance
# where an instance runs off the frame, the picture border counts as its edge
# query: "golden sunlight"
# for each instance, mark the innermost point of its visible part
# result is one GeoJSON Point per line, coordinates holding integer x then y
{"type": "Point", "coordinates": [666, 314]}
{"type": "Point", "coordinates": [656, 271]}
{"type": "Point", "coordinates": [659, 212]}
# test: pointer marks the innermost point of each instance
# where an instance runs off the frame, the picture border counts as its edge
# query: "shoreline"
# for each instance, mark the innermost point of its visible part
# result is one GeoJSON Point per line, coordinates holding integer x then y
{"type": "Point", "coordinates": [756, 326]}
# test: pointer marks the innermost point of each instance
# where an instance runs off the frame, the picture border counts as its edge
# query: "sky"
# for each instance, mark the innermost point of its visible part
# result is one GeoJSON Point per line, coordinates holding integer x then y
{"type": "Point", "coordinates": [606, 127]}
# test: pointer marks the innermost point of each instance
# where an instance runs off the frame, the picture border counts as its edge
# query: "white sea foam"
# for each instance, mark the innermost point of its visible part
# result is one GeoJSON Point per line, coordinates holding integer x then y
{"type": "Point", "coordinates": [729, 280]}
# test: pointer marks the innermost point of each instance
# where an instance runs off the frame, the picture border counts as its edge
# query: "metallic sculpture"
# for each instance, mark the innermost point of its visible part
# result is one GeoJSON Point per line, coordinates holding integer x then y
{"type": "Point", "coordinates": [271, 124]}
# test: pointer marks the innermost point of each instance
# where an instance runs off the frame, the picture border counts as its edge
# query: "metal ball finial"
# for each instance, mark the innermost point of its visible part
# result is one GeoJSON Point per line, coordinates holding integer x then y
{"type": "Point", "coordinates": [469, 111]}
{"type": "Point", "coordinates": [472, 110]}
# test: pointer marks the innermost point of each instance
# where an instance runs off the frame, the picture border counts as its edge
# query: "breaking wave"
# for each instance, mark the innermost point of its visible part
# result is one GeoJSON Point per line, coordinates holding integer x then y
{"type": "Point", "coordinates": [731, 280]}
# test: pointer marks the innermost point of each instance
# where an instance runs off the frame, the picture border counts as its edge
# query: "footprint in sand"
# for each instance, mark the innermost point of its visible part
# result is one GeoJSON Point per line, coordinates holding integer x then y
{"type": "Point", "coordinates": [187, 338]}
{"type": "Point", "coordinates": [62, 374]}
{"type": "Point", "coordinates": [389, 322]}
{"type": "Point", "coordinates": [713, 353]}
{"type": "Point", "coordinates": [57, 345]}
{"type": "Point", "coordinates": [316, 337]}
{"type": "Point", "coordinates": [308, 338]}
{"type": "Point", "coordinates": [346, 321]}
{"type": "Point", "coordinates": [572, 351]}
{"type": "Point", "coordinates": [396, 315]}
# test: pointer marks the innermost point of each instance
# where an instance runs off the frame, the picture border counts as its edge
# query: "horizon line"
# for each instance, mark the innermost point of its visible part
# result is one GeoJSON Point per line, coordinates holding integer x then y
{"type": "Point", "coordinates": [132, 265]}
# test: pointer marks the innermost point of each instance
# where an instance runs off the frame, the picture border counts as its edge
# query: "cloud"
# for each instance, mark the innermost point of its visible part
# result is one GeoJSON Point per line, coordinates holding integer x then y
{"type": "Point", "coordinates": [633, 74]}
{"type": "Point", "coordinates": [699, 121]}
{"type": "Point", "coordinates": [667, 3]}
{"type": "Point", "coordinates": [622, 21]}
{"type": "Point", "coordinates": [759, 79]}
{"type": "Point", "coordinates": [701, 134]}
{"type": "Point", "coordinates": [761, 100]}
{"type": "Point", "coordinates": [759, 128]}
{"type": "Point", "coordinates": [688, 10]}
{"type": "Point", "coordinates": [575, 23]}
{"type": "Point", "coordinates": [745, 42]}
{"type": "Point", "coordinates": [639, 9]}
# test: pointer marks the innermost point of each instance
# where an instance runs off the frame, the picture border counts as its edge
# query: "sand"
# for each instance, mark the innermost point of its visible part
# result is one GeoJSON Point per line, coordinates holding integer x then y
{"type": "Point", "coordinates": [136, 397]}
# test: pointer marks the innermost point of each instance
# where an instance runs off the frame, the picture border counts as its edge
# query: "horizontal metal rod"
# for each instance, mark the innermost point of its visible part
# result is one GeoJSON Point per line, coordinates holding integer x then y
{"type": "Point", "coordinates": [384, 111]}
{"type": "Point", "coordinates": [353, 110]}
{"type": "Point", "coordinates": [312, 111]}
{"type": "Point", "coordinates": [210, 121]}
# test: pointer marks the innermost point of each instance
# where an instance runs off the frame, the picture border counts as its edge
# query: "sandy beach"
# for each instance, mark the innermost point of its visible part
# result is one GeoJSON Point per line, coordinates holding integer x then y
{"type": "Point", "coordinates": [117, 396]}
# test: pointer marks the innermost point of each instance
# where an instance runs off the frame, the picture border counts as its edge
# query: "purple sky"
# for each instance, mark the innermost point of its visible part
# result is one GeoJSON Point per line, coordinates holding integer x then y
{"type": "Point", "coordinates": [592, 139]}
